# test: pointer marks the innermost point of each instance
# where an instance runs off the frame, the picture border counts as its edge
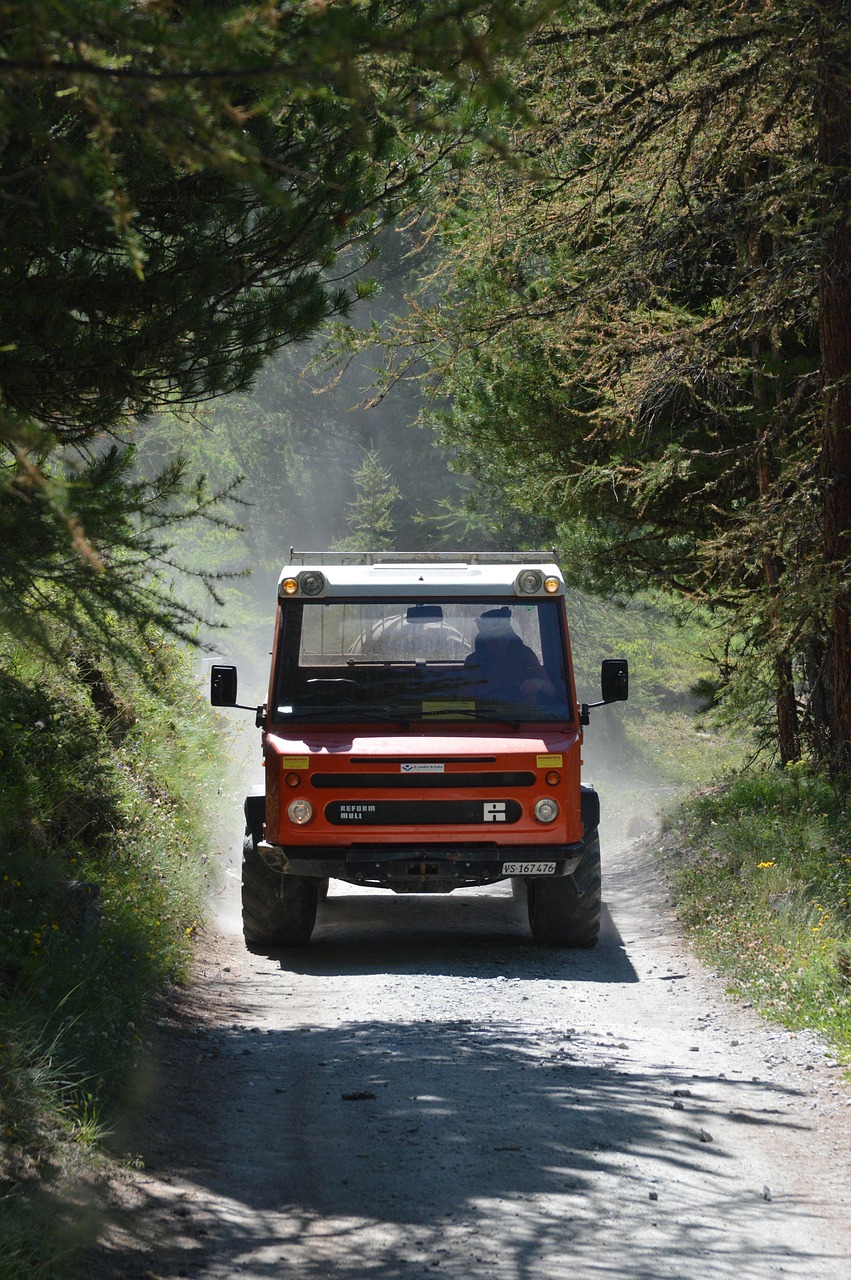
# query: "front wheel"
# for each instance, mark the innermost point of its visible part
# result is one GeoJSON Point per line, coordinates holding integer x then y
{"type": "Point", "coordinates": [278, 910]}
{"type": "Point", "coordinates": [565, 912]}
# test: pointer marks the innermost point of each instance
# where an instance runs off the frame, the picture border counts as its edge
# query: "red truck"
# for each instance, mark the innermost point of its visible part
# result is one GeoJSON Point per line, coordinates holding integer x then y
{"type": "Point", "coordinates": [421, 733]}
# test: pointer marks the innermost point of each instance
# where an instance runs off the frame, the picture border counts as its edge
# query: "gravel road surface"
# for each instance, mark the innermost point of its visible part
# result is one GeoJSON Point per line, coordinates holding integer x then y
{"type": "Point", "coordinates": [423, 1092]}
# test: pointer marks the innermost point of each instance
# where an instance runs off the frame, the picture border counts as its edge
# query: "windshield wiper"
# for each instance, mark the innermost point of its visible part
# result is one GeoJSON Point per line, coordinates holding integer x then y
{"type": "Point", "coordinates": [381, 662]}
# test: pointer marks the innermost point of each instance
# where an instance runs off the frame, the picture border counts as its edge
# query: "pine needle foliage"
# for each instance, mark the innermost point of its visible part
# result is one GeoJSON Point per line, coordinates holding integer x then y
{"type": "Point", "coordinates": [370, 515]}
{"type": "Point", "coordinates": [646, 335]}
{"type": "Point", "coordinates": [85, 550]}
{"type": "Point", "coordinates": [183, 191]}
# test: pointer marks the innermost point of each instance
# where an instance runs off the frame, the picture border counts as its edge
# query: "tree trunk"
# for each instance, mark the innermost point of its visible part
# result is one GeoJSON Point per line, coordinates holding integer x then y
{"type": "Point", "coordinates": [835, 344]}
{"type": "Point", "coordinates": [764, 393]}
{"type": "Point", "coordinates": [786, 706]}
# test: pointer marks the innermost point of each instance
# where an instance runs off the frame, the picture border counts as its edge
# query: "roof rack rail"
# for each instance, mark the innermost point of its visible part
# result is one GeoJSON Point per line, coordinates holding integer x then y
{"type": "Point", "coordinates": [420, 557]}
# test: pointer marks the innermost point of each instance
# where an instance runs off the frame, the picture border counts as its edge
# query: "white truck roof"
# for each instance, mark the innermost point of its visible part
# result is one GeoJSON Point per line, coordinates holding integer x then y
{"type": "Point", "coordinates": [438, 574]}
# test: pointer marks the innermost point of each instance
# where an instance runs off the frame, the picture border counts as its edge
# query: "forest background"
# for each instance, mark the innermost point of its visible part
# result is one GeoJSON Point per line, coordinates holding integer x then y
{"type": "Point", "coordinates": [589, 268]}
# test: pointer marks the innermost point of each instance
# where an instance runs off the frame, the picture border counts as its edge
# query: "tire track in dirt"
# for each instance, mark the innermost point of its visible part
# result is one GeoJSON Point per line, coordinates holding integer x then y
{"type": "Point", "coordinates": [424, 1092]}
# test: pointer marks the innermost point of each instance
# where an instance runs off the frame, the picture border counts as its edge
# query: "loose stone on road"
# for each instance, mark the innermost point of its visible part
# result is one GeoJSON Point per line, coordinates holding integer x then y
{"type": "Point", "coordinates": [422, 1091]}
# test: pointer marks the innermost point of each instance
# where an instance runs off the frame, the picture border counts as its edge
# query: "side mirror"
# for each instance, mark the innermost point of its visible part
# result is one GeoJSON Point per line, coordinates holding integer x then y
{"type": "Point", "coordinates": [614, 680]}
{"type": "Point", "coordinates": [223, 686]}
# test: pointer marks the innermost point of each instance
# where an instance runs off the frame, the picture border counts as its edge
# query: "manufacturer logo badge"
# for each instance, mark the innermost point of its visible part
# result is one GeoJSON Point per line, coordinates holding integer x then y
{"type": "Point", "coordinates": [494, 811]}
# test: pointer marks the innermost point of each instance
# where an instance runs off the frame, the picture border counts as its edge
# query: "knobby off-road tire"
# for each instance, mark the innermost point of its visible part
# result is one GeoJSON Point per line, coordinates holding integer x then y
{"type": "Point", "coordinates": [558, 915]}
{"type": "Point", "coordinates": [277, 910]}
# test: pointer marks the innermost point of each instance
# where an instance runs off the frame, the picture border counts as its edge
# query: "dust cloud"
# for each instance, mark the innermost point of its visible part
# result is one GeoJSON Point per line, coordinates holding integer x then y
{"type": "Point", "coordinates": [299, 451]}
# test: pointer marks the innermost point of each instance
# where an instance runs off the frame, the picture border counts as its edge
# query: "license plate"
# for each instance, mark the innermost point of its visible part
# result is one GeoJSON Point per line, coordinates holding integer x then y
{"type": "Point", "coordinates": [529, 868]}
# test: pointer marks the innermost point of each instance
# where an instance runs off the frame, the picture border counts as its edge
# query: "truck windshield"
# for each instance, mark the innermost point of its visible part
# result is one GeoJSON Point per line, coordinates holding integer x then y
{"type": "Point", "coordinates": [345, 660]}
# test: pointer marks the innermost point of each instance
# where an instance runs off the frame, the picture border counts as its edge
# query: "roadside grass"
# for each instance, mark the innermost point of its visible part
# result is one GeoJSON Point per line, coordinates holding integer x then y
{"type": "Point", "coordinates": [761, 872]}
{"type": "Point", "coordinates": [759, 857]}
{"type": "Point", "coordinates": [108, 773]}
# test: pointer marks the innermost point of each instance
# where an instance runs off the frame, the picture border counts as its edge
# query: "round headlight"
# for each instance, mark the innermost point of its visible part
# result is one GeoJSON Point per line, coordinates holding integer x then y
{"type": "Point", "coordinates": [546, 810]}
{"type": "Point", "coordinates": [529, 581]}
{"type": "Point", "coordinates": [300, 812]}
{"type": "Point", "coordinates": [312, 584]}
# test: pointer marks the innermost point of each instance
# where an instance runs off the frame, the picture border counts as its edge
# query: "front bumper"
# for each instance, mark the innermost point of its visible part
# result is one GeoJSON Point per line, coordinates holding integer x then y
{"type": "Point", "coordinates": [424, 868]}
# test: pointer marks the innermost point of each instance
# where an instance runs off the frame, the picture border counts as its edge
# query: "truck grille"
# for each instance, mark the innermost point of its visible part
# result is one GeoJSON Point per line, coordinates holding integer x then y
{"type": "Point", "coordinates": [421, 781]}
{"type": "Point", "coordinates": [405, 813]}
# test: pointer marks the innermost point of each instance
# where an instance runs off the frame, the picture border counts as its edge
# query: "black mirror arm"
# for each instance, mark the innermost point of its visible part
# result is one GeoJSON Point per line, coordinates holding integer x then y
{"type": "Point", "coordinates": [259, 713]}
{"type": "Point", "coordinates": [585, 709]}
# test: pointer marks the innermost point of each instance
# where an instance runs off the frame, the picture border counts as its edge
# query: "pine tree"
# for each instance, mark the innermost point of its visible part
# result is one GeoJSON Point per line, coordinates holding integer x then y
{"type": "Point", "coordinates": [370, 515]}
{"type": "Point", "coordinates": [649, 339]}
{"type": "Point", "coordinates": [183, 191]}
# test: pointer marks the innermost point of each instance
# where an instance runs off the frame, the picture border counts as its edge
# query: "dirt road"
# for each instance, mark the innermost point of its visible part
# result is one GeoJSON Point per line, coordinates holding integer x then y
{"type": "Point", "coordinates": [423, 1092]}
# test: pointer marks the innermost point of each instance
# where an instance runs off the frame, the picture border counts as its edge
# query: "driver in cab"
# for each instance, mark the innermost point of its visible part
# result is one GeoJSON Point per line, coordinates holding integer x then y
{"type": "Point", "coordinates": [503, 664]}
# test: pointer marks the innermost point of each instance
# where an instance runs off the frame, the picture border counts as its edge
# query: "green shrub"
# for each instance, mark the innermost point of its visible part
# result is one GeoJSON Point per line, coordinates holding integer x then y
{"type": "Point", "coordinates": [103, 875]}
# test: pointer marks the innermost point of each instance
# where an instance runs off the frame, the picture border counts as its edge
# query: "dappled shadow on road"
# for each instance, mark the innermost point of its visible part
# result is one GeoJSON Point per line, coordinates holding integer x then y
{"type": "Point", "coordinates": [374, 1149]}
